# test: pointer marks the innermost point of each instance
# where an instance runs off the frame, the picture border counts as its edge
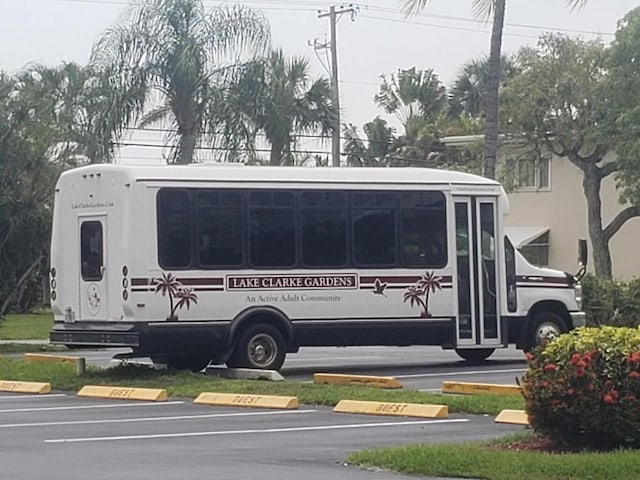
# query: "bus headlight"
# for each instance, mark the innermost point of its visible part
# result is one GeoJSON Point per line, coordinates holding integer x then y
{"type": "Point", "coordinates": [578, 293]}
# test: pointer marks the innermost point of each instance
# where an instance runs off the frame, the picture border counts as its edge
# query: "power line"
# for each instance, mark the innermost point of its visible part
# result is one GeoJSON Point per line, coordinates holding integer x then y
{"type": "Point", "coordinates": [296, 6]}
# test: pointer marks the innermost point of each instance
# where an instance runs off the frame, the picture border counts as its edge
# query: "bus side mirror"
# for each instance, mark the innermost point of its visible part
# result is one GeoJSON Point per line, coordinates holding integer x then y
{"type": "Point", "coordinates": [582, 259]}
{"type": "Point", "coordinates": [582, 252]}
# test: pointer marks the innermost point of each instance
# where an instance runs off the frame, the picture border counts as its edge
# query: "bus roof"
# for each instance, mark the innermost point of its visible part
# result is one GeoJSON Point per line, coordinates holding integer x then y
{"type": "Point", "coordinates": [237, 173]}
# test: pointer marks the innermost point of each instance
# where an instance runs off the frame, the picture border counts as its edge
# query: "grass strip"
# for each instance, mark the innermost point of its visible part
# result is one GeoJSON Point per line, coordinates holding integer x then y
{"type": "Point", "coordinates": [190, 385]}
{"type": "Point", "coordinates": [26, 327]}
{"type": "Point", "coordinates": [486, 460]}
{"type": "Point", "coordinates": [30, 348]}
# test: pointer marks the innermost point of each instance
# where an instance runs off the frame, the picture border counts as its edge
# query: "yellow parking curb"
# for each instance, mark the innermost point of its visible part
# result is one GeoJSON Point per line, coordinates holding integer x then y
{"type": "Point", "coordinates": [516, 417]}
{"type": "Point", "coordinates": [122, 393]}
{"type": "Point", "coordinates": [79, 362]}
{"type": "Point", "coordinates": [396, 409]}
{"type": "Point", "coordinates": [24, 387]}
{"type": "Point", "coordinates": [41, 357]}
{"type": "Point", "coordinates": [480, 388]}
{"type": "Point", "coordinates": [365, 380]}
{"type": "Point", "coordinates": [242, 400]}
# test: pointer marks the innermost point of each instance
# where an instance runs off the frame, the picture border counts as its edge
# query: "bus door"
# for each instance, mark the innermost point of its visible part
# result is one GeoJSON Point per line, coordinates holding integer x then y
{"type": "Point", "coordinates": [477, 281]}
{"type": "Point", "coordinates": [92, 260]}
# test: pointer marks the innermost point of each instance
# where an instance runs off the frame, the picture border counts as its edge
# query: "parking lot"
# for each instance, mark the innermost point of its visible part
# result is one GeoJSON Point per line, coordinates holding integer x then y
{"type": "Point", "coordinates": [60, 435]}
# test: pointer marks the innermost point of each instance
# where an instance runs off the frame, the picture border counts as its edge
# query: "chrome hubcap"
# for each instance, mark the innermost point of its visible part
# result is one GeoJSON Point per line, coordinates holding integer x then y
{"type": "Point", "coordinates": [546, 331]}
{"type": "Point", "coordinates": [262, 349]}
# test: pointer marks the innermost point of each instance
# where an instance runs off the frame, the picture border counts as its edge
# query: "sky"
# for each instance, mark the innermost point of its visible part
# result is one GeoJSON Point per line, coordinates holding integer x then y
{"type": "Point", "coordinates": [377, 40]}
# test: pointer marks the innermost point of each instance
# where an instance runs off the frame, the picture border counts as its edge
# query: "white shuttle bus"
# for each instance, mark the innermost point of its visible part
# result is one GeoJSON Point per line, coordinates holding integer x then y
{"type": "Point", "coordinates": [206, 263]}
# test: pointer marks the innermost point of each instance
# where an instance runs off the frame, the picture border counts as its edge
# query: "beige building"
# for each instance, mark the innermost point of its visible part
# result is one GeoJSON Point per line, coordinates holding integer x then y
{"type": "Point", "coordinates": [549, 214]}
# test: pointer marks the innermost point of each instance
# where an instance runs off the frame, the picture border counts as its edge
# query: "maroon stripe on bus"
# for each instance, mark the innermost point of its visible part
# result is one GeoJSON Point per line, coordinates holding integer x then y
{"type": "Point", "coordinates": [408, 280]}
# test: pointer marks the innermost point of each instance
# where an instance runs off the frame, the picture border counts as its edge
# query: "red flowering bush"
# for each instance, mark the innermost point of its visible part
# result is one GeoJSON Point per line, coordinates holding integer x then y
{"type": "Point", "coordinates": [583, 388]}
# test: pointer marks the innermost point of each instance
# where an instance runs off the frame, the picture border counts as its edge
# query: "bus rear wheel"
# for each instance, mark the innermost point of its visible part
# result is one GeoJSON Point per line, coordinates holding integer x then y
{"type": "Point", "coordinates": [259, 346]}
{"type": "Point", "coordinates": [475, 355]}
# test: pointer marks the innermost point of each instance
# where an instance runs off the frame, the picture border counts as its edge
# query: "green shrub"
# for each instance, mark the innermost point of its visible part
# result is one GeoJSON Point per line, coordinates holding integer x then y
{"type": "Point", "coordinates": [611, 302]}
{"type": "Point", "coordinates": [583, 388]}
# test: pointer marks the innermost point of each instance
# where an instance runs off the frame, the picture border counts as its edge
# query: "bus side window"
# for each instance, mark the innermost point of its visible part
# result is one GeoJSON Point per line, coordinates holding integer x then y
{"type": "Point", "coordinates": [174, 228]}
{"type": "Point", "coordinates": [423, 230]}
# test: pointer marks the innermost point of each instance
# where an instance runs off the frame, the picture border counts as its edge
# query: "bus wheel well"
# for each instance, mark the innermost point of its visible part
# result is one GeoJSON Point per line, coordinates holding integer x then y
{"type": "Point", "coordinates": [264, 315]}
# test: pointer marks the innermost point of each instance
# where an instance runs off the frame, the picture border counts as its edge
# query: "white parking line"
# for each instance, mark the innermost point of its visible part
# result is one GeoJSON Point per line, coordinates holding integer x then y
{"type": "Point", "coordinates": [88, 407]}
{"type": "Point", "coordinates": [49, 395]}
{"type": "Point", "coordinates": [152, 419]}
{"type": "Point", "coordinates": [454, 374]}
{"type": "Point", "coordinates": [253, 431]}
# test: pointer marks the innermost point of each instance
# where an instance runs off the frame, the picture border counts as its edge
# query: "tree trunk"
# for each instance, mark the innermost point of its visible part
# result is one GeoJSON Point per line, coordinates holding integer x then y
{"type": "Point", "coordinates": [493, 85]}
{"type": "Point", "coordinates": [7, 301]}
{"type": "Point", "coordinates": [187, 147]}
{"type": "Point", "coordinates": [275, 157]}
{"type": "Point", "coordinates": [599, 242]}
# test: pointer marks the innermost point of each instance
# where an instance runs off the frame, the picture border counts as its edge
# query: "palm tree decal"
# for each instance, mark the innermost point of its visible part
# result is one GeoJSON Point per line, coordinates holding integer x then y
{"type": "Point", "coordinates": [185, 297]}
{"type": "Point", "coordinates": [170, 286]}
{"type": "Point", "coordinates": [429, 282]}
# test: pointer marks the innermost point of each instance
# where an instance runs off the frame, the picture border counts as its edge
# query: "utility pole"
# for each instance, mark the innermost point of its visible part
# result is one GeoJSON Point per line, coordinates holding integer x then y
{"type": "Point", "coordinates": [333, 14]}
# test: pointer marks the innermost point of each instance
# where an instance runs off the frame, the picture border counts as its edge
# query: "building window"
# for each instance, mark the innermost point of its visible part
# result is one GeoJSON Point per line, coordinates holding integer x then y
{"type": "Point", "coordinates": [537, 251]}
{"type": "Point", "coordinates": [534, 173]}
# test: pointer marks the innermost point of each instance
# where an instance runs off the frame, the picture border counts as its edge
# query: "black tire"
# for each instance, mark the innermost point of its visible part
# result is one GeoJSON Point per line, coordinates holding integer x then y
{"type": "Point", "coordinates": [258, 346]}
{"type": "Point", "coordinates": [544, 327]}
{"type": "Point", "coordinates": [195, 363]}
{"type": "Point", "coordinates": [475, 355]}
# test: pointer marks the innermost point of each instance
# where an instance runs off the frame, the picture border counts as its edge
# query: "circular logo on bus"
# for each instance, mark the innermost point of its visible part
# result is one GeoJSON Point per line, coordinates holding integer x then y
{"type": "Point", "coordinates": [93, 299]}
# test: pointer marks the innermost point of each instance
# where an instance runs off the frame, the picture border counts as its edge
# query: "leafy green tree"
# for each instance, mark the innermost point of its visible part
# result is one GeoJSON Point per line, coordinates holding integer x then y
{"type": "Point", "coordinates": [484, 10]}
{"type": "Point", "coordinates": [281, 100]}
{"type": "Point", "coordinates": [30, 161]}
{"type": "Point", "coordinates": [561, 103]}
{"type": "Point", "coordinates": [622, 104]}
{"type": "Point", "coordinates": [171, 61]}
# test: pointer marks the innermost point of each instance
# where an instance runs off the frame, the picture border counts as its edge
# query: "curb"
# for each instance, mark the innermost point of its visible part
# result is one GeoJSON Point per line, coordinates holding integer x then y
{"type": "Point", "coordinates": [363, 380]}
{"type": "Point", "coordinates": [468, 388]}
{"type": "Point", "coordinates": [79, 362]}
{"type": "Point", "coordinates": [25, 387]}
{"type": "Point", "coordinates": [123, 393]}
{"type": "Point", "coordinates": [251, 401]}
{"type": "Point", "coordinates": [514, 417]}
{"type": "Point", "coordinates": [394, 409]}
{"type": "Point", "coordinates": [245, 373]}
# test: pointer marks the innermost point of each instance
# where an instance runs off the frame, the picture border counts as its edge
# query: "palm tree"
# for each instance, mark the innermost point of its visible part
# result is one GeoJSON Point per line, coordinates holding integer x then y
{"type": "Point", "coordinates": [281, 100]}
{"type": "Point", "coordinates": [168, 61]}
{"type": "Point", "coordinates": [376, 151]}
{"type": "Point", "coordinates": [412, 93]}
{"type": "Point", "coordinates": [483, 9]}
{"type": "Point", "coordinates": [468, 94]}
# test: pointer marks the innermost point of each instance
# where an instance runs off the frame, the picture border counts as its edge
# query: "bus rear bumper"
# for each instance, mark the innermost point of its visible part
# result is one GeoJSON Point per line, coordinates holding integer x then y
{"type": "Point", "coordinates": [94, 335]}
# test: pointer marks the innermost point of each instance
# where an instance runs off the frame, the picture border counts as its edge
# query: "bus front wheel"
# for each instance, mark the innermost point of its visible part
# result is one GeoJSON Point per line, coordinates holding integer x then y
{"type": "Point", "coordinates": [545, 327]}
{"type": "Point", "coordinates": [474, 355]}
{"type": "Point", "coordinates": [259, 346]}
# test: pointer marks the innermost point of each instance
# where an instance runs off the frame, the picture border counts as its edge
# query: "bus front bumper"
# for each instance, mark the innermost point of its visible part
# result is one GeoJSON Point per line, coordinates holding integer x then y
{"type": "Point", "coordinates": [578, 319]}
